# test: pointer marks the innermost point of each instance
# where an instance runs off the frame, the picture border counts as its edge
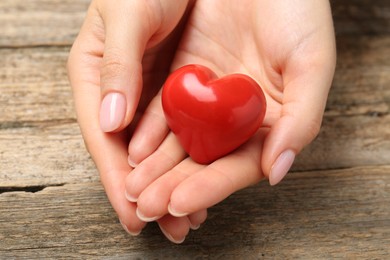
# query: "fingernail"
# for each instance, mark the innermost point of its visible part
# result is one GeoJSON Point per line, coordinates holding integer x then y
{"type": "Point", "coordinates": [171, 238]}
{"type": "Point", "coordinates": [194, 227]}
{"type": "Point", "coordinates": [175, 213]}
{"type": "Point", "coordinates": [281, 166]}
{"type": "Point", "coordinates": [131, 162]}
{"type": "Point", "coordinates": [112, 111]}
{"type": "Point", "coordinates": [130, 198]}
{"type": "Point", "coordinates": [142, 217]}
{"type": "Point", "coordinates": [128, 231]}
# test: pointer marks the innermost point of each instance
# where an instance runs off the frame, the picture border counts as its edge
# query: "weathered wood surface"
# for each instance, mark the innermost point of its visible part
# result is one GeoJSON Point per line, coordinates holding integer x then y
{"type": "Point", "coordinates": [54, 22]}
{"type": "Point", "coordinates": [311, 215]}
{"type": "Point", "coordinates": [336, 203]}
{"type": "Point", "coordinates": [40, 22]}
{"type": "Point", "coordinates": [361, 16]}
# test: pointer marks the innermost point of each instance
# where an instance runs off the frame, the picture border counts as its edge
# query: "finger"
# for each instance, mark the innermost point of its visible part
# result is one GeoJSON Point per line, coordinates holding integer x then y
{"type": "Point", "coordinates": [175, 229]}
{"type": "Point", "coordinates": [153, 201]}
{"type": "Point", "coordinates": [198, 218]}
{"type": "Point", "coordinates": [307, 83]}
{"type": "Point", "coordinates": [129, 27]}
{"type": "Point", "coordinates": [111, 161]}
{"type": "Point", "coordinates": [108, 151]}
{"type": "Point", "coordinates": [150, 132]}
{"type": "Point", "coordinates": [113, 182]}
{"type": "Point", "coordinates": [210, 185]}
{"type": "Point", "coordinates": [121, 70]}
{"type": "Point", "coordinates": [168, 155]}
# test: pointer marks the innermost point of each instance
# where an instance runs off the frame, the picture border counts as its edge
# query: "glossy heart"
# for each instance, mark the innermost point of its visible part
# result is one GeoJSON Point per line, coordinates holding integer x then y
{"type": "Point", "coordinates": [211, 117]}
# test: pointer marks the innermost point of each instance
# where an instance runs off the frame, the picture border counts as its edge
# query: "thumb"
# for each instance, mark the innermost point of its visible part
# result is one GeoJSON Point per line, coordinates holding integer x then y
{"type": "Point", "coordinates": [129, 28]}
{"type": "Point", "coordinates": [303, 106]}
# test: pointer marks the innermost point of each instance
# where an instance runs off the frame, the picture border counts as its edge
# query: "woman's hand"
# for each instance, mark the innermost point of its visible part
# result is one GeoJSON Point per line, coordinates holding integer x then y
{"type": "Point", "coordinates": [286, 46]}
{"type": "Point", "coordinates": [117, 64]}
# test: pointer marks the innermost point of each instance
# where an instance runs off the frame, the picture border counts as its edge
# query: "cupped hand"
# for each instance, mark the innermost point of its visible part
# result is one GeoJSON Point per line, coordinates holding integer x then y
{"type": "Point", "coordinates": [288, 47]}
{"type": "Point", "coordinates": [116, 66]}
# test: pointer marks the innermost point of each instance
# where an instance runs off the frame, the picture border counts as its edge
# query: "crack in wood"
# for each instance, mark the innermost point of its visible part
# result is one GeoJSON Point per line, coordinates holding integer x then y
{"type": "Point", "coordinates": [37, 45]}
{"type": "Point", "coordinates": [29, 189]}
{"type": "Point", "coordinates": [35, 124]}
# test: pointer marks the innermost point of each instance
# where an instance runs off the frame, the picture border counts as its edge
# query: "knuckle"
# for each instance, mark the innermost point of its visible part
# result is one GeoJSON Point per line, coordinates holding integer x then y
{"type": "Point", "coordinates": [313, 128]}
{"type": "Point", "coordinates": [113, 67]}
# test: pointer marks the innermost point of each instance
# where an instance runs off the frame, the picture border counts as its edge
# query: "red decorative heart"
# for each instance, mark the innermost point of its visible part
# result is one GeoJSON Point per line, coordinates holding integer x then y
{"type": "Point", "coordinates": [212, 117]}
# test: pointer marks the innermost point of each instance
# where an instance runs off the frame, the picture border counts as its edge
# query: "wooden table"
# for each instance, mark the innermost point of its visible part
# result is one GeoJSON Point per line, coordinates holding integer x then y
{"type": "Point", "coordinates": [335, 203]}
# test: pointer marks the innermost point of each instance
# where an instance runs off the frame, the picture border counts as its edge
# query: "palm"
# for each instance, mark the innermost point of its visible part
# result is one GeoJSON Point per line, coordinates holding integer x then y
{"type": "Point", "coordinates": [229, 44]}
{"type": "Point", "coordinates": [217, 36]}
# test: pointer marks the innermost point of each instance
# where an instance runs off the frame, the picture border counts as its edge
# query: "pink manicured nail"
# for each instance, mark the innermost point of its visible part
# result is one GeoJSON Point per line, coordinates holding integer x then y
{"type": "Point", "coordinates": [174, 213]}
{"type": "Point", "coordinates": [131, 162]}
{"type": "Point", "coordinates": [194, 227]}
{"type": "Point", "coordinates": [112, 111]}
{"type": "Point", "coordinates": [281, 166]}
{"type": "Point", "coordinates": [128, 231]}
{"type": "Point", "coordinates": [142, 217]}
{"type": "Point", "coordinates": [130, 198]}
{"type": "Point", "coordinates": [170, 237]}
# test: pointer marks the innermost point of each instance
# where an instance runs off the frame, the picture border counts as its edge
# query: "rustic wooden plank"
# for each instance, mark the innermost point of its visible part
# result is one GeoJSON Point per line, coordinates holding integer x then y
{"type": "Point", "coordinates": [40, 22]}
{"type": "Point", "coordinates": [37, 22]}
{"type": "Point", "coordinates": [362, 79]}
{"type": "Point", "coordinates": [34, 85]}
{"type": "Point", "coordinates": [361, 16]}
{"type": "Point", "coordinates": [39, 155]}
{"type": "Point", "coordinates": [65, 213]}
{"type": "Point", "coordinates": [36, 102]}
{"type": "Point", "coordinates": [347, 142]}
{"type": "Point", "coordinates": [329, 214]}
{"type": "Point", "coordinates": [54, 153]}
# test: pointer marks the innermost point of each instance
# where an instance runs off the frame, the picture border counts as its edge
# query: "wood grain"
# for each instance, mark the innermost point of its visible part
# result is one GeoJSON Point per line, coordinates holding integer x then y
{"type": "Point", "coordinates": [361, 17]}
{"type": "Point", "coordinates": [57, 22]}
{"type": "Point", "coordinates": [40, 22]}
{"type": "Point", "coordinates": [34, 86]}
{"type": "Point", "coordinates": [37, 102]}
{"type": "Point", "coordinates": [54, 153]}
{"type": "Point", "coordinates": [44, 154]}
{"type": "Point", "coordinates": [361, 82]}
{"type": "Point", "coordinates": [311, 215]}
{"type": "Point", "coordinates": [335, 203]}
